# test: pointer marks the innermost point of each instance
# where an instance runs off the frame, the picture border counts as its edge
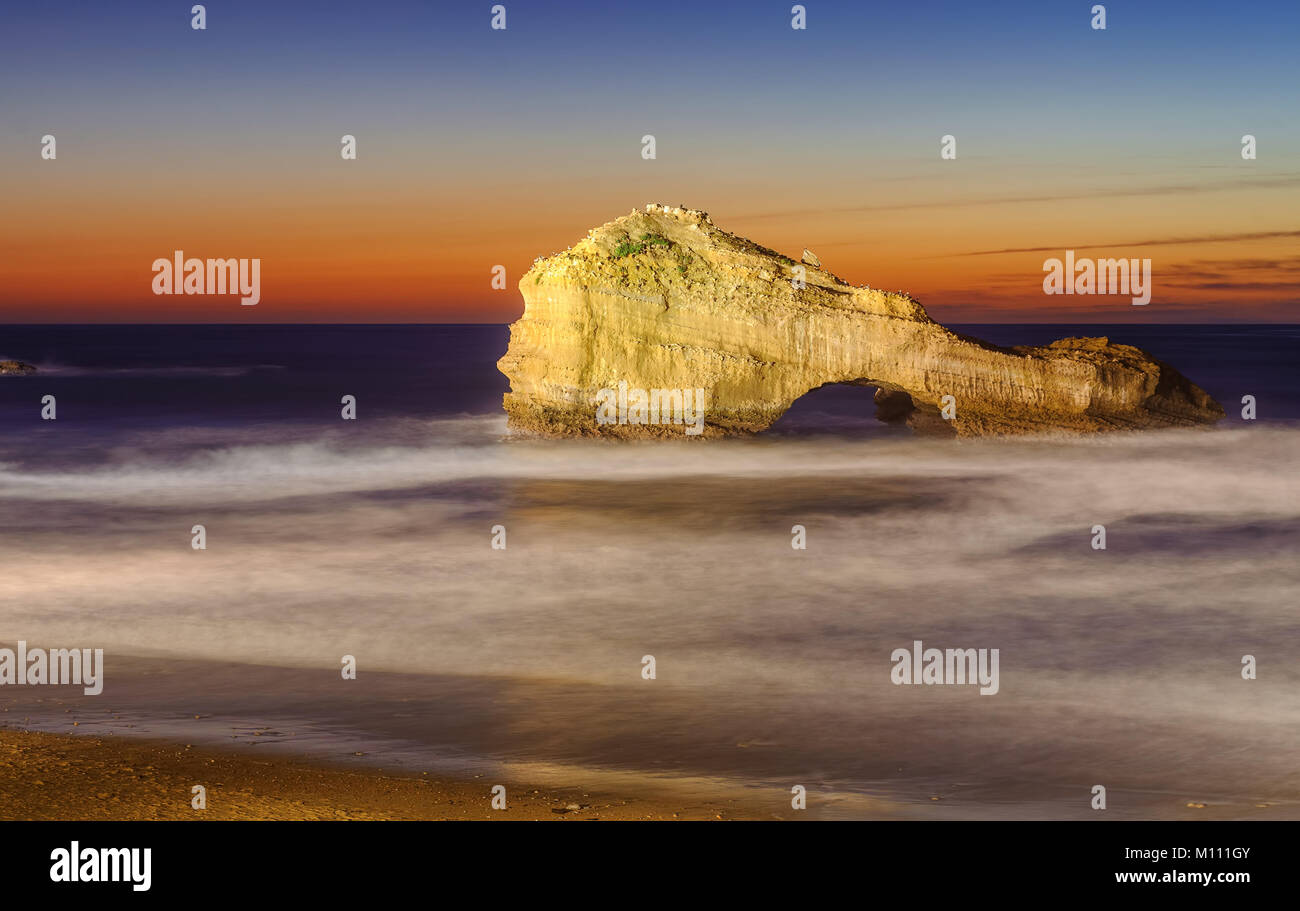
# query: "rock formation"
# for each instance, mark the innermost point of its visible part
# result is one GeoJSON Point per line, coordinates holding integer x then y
{"type": "Point", "coordinates": [15, 367]}
{"type": "Point", "coordinates": [665, 300]}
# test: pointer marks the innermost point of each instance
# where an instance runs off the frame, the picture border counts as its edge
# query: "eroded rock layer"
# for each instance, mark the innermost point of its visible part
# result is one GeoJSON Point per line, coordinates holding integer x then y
{"type": "Point", "coordinates": [665, 300]}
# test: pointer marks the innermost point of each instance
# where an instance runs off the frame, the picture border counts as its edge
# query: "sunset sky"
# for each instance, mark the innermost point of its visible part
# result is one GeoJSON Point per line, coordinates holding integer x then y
{"type": "Point", "coordinates": [479, 147]}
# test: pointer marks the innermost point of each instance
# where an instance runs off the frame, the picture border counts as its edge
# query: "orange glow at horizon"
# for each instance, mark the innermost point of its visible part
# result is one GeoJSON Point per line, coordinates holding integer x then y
{"type": "Point", "coordinates": [371, 249]}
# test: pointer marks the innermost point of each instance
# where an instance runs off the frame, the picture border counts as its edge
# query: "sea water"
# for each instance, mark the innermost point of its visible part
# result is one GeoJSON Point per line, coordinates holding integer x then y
{"type": "Point", "coordinates": [373, 539]}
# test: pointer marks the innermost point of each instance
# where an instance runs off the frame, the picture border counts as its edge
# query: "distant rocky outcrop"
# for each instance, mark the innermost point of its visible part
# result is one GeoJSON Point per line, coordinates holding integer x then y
{"type": "Point", "coordinates": [15, 367]}
{"type": "Point", "coordinates": [665, 300]}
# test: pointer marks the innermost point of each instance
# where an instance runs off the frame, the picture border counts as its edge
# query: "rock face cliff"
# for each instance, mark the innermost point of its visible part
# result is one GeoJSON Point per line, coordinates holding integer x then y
{"type": "Point", "coordinates": [15, 368]}
{"type": "Point", "coordinates": [665, 300]}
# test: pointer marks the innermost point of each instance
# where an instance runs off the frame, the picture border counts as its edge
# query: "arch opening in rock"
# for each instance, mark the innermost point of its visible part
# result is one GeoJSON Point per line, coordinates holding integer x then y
{"type": "Point", "coordinates": [859, 408]}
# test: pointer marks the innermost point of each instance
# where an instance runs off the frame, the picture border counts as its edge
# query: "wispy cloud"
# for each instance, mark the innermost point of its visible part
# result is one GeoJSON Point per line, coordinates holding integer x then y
{"type": "Point", "coordinates": [1260, 182]}
{"type": "Point", "coordinates": [1158, 242]}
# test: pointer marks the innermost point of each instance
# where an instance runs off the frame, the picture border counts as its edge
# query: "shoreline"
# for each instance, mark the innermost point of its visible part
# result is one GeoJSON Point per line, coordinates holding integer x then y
{"type": "Point", "coordinates": [78, 778]}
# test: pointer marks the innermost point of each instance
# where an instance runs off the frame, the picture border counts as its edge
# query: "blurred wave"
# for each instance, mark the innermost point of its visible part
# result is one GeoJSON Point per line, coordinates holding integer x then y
{"type": "Point", "coordinates": [1119, 665]}
{"type": "Point", "coordinates": [372, 538]}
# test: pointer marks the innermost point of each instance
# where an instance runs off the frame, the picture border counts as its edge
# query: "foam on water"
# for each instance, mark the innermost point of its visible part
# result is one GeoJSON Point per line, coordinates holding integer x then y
{"type": "Point", "coordinates": [1117, 666]}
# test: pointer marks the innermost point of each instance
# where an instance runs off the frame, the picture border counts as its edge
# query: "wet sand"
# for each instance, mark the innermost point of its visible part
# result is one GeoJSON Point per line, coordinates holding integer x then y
{"type": "Point", "coordinates": [48, 776]}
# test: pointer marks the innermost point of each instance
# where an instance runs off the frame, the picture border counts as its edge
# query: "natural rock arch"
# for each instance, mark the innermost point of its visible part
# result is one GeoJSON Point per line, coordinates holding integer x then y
{"type": "Point", "coordinates": [664, 299]}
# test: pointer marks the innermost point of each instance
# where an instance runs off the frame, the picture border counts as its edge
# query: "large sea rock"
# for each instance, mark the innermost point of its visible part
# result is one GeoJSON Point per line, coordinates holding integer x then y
{"type": "Point", "coordinates": [665, 299]}
{"type": "Point", "coordinates": [14, 368]}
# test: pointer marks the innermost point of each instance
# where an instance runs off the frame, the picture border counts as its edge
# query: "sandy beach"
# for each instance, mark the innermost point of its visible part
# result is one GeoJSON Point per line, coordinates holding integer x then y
{"type": "Point", "coordinates": [48, 776]}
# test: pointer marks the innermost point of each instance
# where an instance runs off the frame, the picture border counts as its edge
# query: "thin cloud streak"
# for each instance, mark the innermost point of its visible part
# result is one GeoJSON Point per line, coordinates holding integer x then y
{"type": "Point", "coordinates": [1163, 242]}
{"type": "Point", "coordinates": [1290, 180]}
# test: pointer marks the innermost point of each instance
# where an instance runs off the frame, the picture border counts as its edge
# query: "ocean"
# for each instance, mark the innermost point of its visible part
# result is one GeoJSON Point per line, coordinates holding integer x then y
{"type": "Point", "coordinates": [373, 538]}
